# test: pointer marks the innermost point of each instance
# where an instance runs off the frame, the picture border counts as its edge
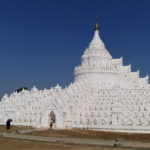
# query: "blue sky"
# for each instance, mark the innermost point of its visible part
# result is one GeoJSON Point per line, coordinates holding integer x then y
{"type": "Point", "coordinates": [41, 41]}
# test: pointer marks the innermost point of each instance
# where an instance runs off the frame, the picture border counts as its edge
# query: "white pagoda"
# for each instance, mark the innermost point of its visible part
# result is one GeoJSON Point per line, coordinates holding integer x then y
{"type": "Point", "coordinates": [105, 95]}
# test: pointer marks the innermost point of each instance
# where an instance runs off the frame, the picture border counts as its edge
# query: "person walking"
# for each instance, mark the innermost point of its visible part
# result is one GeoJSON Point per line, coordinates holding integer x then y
{"type": "Point", "coordinates": [8, 124]}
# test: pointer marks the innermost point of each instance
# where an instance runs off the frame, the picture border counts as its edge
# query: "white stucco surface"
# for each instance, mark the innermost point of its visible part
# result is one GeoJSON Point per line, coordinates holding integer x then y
{"type": "Point", "coordinates": [105, 95]}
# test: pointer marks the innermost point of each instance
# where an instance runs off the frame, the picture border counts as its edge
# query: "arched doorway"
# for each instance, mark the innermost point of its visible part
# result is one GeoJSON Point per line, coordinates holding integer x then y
{"type": "Point", "coordinates": [52, 117]}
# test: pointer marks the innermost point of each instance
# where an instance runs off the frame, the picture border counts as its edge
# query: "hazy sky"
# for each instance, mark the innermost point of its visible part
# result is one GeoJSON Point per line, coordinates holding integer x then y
{"type": "Point", "coordinates": [41, 41]}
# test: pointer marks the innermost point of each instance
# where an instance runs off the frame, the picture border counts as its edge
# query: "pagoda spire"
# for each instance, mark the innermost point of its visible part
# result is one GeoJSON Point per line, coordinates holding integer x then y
{"type": "Point", "coordinates": [96, 27]}
{"type": "Point", "coordinates": [96, 41]}
{"type": "Point", "coordinates": [97, 44]}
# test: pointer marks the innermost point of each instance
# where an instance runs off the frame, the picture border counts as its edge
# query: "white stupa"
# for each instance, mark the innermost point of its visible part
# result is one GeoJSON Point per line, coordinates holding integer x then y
{"type": "Point", "coordinates": [104, 95]}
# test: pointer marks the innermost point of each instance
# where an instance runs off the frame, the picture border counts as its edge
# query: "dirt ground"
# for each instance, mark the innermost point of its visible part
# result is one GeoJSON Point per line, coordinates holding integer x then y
{"type": "Point", "coordinates": [14, 128]}
{"type": "Point", "coordinates": [10, 144]}
{"type": "Point", "coordinates": [77, 133]}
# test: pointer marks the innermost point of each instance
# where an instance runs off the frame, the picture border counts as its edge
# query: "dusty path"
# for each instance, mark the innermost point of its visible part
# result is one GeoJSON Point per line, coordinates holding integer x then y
{"type": "Point", "coordinates": [76, 141]}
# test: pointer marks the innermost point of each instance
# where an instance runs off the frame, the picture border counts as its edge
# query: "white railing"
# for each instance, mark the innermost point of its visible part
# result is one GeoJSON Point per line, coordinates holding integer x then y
{"type": "Point", "coordinates": [79, 70]}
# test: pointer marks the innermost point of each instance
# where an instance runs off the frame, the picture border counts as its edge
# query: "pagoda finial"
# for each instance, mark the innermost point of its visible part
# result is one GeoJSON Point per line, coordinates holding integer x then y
{"type": "Point", "coordinates": [96, 27]}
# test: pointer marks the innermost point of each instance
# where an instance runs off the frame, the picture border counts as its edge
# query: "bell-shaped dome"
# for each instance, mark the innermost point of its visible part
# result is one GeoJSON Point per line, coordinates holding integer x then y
{"type": "Point", "coordinates": [96, 61]}
{"type": "Point", "coordinates": [96, 41]}
{"type": "Point", "coordinates": [96, 46]}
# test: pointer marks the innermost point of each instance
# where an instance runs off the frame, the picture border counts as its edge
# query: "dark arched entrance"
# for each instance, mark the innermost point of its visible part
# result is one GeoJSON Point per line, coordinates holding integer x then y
{"type": "Point", "coordinates": [52, 119]}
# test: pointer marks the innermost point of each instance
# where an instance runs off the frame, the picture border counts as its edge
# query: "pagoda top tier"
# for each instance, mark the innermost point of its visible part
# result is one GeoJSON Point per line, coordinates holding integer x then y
{"type": "Point", "coordinates": [96, 46]}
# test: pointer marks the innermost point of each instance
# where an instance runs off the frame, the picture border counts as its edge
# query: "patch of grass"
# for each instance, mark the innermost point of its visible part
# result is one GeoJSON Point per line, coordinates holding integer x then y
{"type": "Point", "coordinates": [78, 133]}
